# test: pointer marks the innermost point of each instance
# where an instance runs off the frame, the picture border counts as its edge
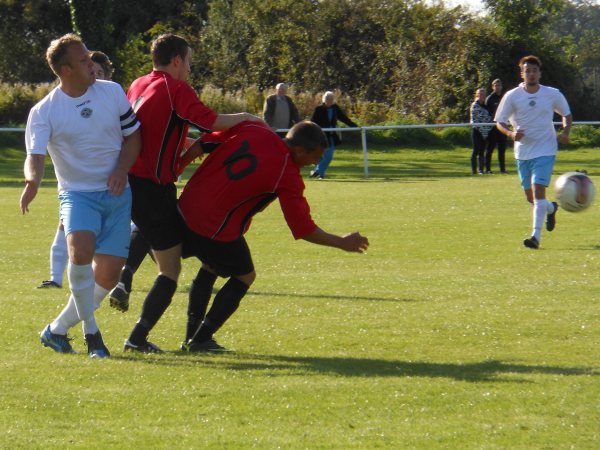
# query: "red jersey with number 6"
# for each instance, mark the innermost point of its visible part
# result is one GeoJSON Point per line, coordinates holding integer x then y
{"type": "Point", "coordinates": [165, 107]}
{"type": "Point", "coordinates": [249, 168]}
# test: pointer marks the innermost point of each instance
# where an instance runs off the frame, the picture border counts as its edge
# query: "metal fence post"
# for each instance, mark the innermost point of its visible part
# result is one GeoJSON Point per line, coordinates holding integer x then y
{"type": "Point", "coordinates": [363, 135]}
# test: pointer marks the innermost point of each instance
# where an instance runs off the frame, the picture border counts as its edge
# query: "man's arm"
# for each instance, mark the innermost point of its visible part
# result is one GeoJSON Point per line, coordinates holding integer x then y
{"type": "Point", "coordinates": [514, 135]}
{"type": "Point", "coordinates": [129, 152]}
{"type": "Point", "coordinates": [344, 118]}
{"type": "Point", "coordinates": [225, 121]}
{"type": "Point", "coordinates": [34, 172]}
{"type": "Point", "coordinates": [193, 150]}
{"type": "Point", "coordinates": [352, 242]}
{"type": "Point", "coordinates": [268, 111]}
{"type": "Point", "coordinates": [563, 137]}
{"type": "Point", "coordinates": [294, 115]}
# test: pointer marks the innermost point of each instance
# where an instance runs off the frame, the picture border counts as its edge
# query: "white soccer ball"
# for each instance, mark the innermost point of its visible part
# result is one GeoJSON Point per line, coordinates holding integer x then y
{"type": "Point", "coordinates": [574, 191]}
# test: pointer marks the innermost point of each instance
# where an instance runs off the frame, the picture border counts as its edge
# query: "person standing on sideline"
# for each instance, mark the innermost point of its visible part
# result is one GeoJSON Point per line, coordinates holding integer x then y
{"type": "Point", "coordinates": [479, 134]}
{"type": "Point", "coordinates": [495, 138]}
{"type": "Point", "coordinates": [279, 110]}
{"type": "Point", "coordinates": [166, 105]}
{"type": "Point", "coordinates": [59, 256]}
{"type": "Point", "coordinates": [250, 168]}
{"type": "Point", "coordinates": [530, 108]}
{"type": "Point", "coordinates": [326, 115]}
{"type": "Point", "coordinates": [92, 136]}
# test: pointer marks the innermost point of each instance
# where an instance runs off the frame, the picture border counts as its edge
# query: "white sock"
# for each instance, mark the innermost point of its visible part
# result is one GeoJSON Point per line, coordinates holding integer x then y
{"type": "Point", "coordinates": [68, 317]}
{"type": "Point", "coordinates": [549, 207]}
{"type": "Point", "coordinates": [539, 215]}
{"type": "Point", "coordinates": [81, 281]}
{"type": "Point", "coordinates": [90, 326]}
{"type": "Point", "coordinates": [59, 257]}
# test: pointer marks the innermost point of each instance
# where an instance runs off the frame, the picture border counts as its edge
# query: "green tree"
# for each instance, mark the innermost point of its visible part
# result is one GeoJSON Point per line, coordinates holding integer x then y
{"type": "Point", "coordinates": [93, 20]}
{"type": "Point", "coordinates": [123, 29]}
{"type": "Point", "coordinates": [26, 29]}
{"type": "Point", "coordinates": [548, 29]}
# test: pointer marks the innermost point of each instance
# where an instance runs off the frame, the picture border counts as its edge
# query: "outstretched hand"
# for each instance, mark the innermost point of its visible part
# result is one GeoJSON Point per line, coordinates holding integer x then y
{"type": "Point", "coordinates": [354, 242]}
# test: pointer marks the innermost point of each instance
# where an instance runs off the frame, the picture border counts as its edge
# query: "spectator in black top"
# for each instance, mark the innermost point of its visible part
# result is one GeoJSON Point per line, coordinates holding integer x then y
{"type": "Point", "coordinates": [326, 115]}
{"type": "Point", "coordinates": [495, 138]}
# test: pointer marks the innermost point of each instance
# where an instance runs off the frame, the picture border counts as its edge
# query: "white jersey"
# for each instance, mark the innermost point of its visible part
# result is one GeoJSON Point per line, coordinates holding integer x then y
{"type": "Point", "coordinates": [83, 135]}
{"type": "Point", "coordinates": [533, 113]}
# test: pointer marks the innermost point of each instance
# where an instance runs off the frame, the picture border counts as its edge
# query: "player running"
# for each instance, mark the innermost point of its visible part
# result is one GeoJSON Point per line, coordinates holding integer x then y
{"type": "Point", "coordinates": [530, 108]}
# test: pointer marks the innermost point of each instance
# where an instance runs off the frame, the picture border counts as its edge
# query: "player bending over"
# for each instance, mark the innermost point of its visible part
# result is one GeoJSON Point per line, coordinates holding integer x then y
{"type": "Point", "coordinates": [251, 167]}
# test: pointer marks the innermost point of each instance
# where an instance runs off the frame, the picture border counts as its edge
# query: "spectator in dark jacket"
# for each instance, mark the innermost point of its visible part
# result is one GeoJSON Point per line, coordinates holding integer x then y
{"type": "Point", "coordinates": [326, 115]}
{"type": "Point", "coordinates": [495, 138]}
{"type": "Point", "coordinates": [279, 110]}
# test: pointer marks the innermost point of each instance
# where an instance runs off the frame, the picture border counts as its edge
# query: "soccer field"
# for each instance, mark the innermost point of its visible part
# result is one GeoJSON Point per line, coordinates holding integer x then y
{"type": "Point", "coordinates": [447, 333]}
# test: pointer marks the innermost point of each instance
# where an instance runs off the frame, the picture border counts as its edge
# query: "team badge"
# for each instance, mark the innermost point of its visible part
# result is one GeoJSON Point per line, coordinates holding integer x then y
{"type": "Point", "coordinates": [86, 113]}
{"type": "Point", "coordinates": [532, 103]}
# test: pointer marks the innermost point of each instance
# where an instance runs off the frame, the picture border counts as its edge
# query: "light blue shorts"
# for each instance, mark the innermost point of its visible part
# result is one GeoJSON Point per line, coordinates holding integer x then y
{"type": "Point", "coordinates": [535, 171]}
{"type": "Point", "coordinates": [107, 216]}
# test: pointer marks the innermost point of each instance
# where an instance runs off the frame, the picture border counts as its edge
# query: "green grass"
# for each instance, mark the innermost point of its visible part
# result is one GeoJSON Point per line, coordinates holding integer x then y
{"type": "Point", "coordinates": [447, 333]}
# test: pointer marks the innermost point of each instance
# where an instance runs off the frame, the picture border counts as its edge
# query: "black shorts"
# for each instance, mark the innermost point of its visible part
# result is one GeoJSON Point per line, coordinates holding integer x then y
{"type": "Point", "coordinates": [155, 212]}
{"type": "Point", "coordinates": [227, 259]}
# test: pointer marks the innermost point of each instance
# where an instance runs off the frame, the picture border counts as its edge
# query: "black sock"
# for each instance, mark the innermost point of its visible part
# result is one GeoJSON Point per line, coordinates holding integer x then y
{"type": "Point", "coordinates": [126, 277]}
{"type": "Point", "coordinates": [157, 301]}
{"type": "Point", "coordinates": [199, 296]}
{"type": "Point", "coordinates": [225, 304]}
{"type": "Point", "coordinates": [138, 249]}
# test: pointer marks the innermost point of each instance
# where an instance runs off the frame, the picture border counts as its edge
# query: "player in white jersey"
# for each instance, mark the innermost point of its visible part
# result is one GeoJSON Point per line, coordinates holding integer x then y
{"type": "Point", "coordinates": [59, 257]}
{"type": "Point", "coordinates": [93, 138]}
{"type": "Point", "coordinates": [530, 108]}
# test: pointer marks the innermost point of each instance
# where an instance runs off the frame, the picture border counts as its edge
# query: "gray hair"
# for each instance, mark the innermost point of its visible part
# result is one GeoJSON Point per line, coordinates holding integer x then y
{"type": "Point", "coordinates": [327, 94]}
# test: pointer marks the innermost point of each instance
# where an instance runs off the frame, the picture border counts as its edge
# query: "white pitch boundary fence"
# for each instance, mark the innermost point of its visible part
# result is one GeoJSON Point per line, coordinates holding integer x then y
{"type": "Point", "coordinates": [366, 129]}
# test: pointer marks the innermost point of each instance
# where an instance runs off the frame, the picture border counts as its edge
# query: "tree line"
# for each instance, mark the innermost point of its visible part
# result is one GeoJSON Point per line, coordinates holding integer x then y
{"type": "Point", "coordinates": [407, 60]}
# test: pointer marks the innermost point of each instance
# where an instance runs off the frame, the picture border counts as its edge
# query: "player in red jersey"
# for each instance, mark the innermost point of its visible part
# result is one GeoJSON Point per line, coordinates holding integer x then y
{"type": "Point", "coordinates": [250, 168]}
{"type": "Point", "coordinates": [166, 105]}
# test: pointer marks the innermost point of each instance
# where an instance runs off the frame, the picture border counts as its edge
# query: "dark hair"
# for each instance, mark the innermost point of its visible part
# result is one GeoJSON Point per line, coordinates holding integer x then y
{"type": "Point", "coordinates": [530, 60]}
{"type": "Point", "coordinates": [100, 58]}
{"type": "Point", "coordinates": [307, 135]}
{"type": "Point", "coordinates": [56, 54]}
{"type": "Point", "coordinates": [166, 47]}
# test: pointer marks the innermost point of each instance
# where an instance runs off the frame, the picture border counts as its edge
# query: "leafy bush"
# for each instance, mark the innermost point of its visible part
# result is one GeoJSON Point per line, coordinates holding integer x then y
{"type": "Point", "coordinates": [585, 136]}
{"type": "Point", "coordinates": [222, 102]}
{"type": "Point", "coordinates": [457, 136]}
{"type": "Point", "coordinates": [17, 99]}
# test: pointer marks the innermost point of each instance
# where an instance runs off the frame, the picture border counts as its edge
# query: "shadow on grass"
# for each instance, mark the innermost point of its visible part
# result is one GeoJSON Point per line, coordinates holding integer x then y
{"type": "Point", "coordinates": [185, 289]}
{"type": "Point", "coordinates": [330, 297]}
{"type": "Point", "coordinates": [278, 365]}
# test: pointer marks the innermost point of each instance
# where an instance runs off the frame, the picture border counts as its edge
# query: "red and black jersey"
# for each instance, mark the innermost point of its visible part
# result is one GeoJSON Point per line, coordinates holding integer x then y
{"type": "Point", "coordinates": [165, 107]}
{"type": "Point", "coordinates": [250, 167]}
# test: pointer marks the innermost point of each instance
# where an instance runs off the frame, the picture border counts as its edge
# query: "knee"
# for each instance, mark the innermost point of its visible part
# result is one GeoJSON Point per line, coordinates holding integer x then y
{"type": "Point", "coordinates": [171, 271]}
{"type": "Point", "coordinates": [247, 279]}
{"type": "Point", "coordinates": [169, 266]}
